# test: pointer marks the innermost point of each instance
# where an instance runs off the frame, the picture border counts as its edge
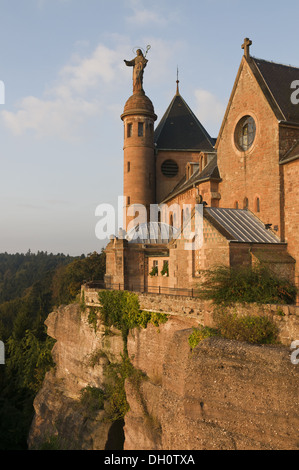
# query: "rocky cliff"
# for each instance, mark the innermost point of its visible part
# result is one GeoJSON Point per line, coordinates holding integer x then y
{"type": "Point", "coordinates": [221, 395]}
{"type": "Point", "coordinates": [81, 354]}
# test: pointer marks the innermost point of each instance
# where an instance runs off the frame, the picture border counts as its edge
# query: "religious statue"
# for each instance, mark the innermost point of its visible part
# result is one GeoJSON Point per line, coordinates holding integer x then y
{"type": "Point", "coordinates": [138, 64]}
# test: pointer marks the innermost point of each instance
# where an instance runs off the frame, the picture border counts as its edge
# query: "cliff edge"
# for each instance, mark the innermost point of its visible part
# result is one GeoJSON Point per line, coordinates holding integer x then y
{"type": "Point", "coordinates": [222, 395]}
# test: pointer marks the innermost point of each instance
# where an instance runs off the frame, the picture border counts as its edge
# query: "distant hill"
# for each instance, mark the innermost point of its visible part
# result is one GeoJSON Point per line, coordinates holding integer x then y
{"type": "Point", "coordinates": [20, 271]}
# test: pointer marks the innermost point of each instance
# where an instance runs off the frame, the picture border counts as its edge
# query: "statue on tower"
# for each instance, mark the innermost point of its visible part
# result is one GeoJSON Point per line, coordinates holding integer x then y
{"type": "Point", "coordinates": [138, 64]}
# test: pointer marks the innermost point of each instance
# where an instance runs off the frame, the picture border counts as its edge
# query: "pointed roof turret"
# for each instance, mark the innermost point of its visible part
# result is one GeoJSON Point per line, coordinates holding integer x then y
{"type": "Point", "coordinates": [179, 128]}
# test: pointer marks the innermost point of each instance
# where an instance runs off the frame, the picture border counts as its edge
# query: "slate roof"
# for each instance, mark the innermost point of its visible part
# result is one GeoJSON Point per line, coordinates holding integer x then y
{"type": "Point", "coordinates": [210, 171]}
{"type": "Point", "coordinates": [239, 225]}
{"type": "Point", "coordinates": [275, 80]}
{"type": "Point", "coordinates": [179, 129]}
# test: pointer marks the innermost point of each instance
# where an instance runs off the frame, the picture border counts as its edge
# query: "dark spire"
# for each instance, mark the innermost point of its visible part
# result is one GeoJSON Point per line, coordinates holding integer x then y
{"type": "Point", "coordinates": [177, 82]}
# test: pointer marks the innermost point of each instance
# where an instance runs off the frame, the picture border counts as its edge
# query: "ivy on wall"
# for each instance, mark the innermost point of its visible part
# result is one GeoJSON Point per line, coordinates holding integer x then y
{"type": "Point", "coordinates": [121, 309]}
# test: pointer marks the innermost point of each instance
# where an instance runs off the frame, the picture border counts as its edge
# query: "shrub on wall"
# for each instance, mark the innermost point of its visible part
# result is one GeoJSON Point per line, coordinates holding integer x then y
{"type": "Point", "coordinates": [248, 328]}
{"type": "Point", "coordinates": [228, 285]}
{"type": "Point", "coordinates": [201, 333]}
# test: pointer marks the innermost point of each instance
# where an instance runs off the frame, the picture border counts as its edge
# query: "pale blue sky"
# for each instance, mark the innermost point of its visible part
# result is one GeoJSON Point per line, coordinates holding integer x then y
{"type": "Point", "coordinates": [66, 84]}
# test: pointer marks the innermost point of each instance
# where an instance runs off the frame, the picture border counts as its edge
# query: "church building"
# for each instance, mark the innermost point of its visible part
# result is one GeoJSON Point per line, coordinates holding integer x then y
{"type": "Point", "coordinates": [237, 195]}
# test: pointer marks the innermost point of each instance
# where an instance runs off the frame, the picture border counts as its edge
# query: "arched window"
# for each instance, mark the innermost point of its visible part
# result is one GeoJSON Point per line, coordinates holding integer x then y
{"type": "Point", "coordinates": [236, 205]}
{"type": "Point", "coordinates": [245, 203]}
{"type": "Point", "coordinates": [245, 133]}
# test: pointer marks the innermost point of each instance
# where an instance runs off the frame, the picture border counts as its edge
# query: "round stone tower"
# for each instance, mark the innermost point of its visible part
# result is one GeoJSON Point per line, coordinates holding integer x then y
{"type": "Point", "coordinates": [139, 155]}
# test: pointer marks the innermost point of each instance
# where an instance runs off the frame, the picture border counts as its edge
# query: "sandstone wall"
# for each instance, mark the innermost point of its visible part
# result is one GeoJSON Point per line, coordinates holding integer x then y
{"type": "Point", "coordinates": [286, 317]}
{"type": "Point", "coordinates": [291, 212]}
{"type": "Point", "coordinates": [243, 173]}
{"type": "Point", "coordinates": [224, 395]}
{"type": "Point", "coordinates": [221, 395]}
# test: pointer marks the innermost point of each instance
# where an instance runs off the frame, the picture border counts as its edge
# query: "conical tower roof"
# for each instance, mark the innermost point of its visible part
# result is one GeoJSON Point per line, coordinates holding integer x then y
{"type": "Point", "coordinates": [179, 129]}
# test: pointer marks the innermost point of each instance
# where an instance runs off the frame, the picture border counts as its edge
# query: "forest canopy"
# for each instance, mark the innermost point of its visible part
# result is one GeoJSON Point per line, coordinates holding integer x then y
{"type": "Point", "coordinates": [31, 285]}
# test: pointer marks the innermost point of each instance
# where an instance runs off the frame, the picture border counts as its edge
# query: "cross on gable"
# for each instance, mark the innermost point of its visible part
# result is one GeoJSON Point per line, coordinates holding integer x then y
{"type": "Point", "coordinates": [246, 46]}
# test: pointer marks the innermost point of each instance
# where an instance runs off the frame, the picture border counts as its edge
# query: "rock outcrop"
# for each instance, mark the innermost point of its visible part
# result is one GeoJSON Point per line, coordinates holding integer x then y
{"type": "Point", "coordinates": [81, 354]}
{"type": "Point", "coordinates": [220, 395]}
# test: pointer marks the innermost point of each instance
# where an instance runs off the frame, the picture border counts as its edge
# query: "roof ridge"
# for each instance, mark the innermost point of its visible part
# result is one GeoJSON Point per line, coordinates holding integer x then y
{"type": "Point", "coordinates": [275, 63]}
{"type": "Point", "coordinates": [267, 86]}
{"type": "Point", "coordinates": [164, 118]}
{"type": "Point", "coordinates": [277, 79]}
{"type": "Point", "coordinates": [198, 122]}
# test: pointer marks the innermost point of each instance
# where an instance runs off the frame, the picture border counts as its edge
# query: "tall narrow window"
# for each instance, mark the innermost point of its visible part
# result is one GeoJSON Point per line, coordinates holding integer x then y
{"type": "Point", "coordinates": [245, 203]}
{"type": "Point", "coordinates": [129, 167]}
{"type": "Point", "coordinates": [201, 163]}
{"type": "Point", "coordinates": [236, 205]}
{"type": "Point", "coordinates": [165, 269]}
{"type": "Point", "coordinates": [128, 200]}
{"type": "Point", "coordinates": [258, 205]}
{"type": "Point", "coordinates": [154, 271]}
{"type": "Point", "coordinates": [140, 129]}
{"type": "Point", "coordinates": [130, 130]}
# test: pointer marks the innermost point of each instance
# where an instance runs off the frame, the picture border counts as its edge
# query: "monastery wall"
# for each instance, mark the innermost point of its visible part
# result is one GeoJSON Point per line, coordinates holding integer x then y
{"type": "Point", "coordinates": [201, 312]}
{"type": "Point", "coordinates": [253, 173]}
{"type": "Point", "coordinates": [164, 184]}
{"type": "Point", "coordinates": [291, 194]}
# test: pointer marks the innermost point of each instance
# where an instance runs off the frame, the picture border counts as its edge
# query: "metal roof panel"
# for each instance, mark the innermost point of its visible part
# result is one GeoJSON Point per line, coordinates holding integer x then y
{"type": "Point", "coordinates": [242, 225]}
